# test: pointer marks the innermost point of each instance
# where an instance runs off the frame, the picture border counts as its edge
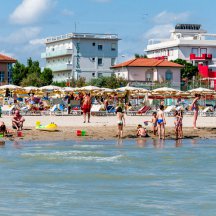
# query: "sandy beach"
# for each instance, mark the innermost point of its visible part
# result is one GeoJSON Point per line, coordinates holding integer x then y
{"type": "Point", "coordinates": [104, 127]}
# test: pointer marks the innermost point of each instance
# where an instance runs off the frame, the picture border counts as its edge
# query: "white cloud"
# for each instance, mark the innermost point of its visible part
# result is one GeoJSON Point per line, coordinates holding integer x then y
{"type": "Point", "coordinates": [37, 41]}
{"type": "Point", "coordinates": [29, 11]}
{"type": "Point", "coordinates": [168, 17]}
{"type": "Point", "coordinates": [163, 23]}
{"type": "Point", "coordinates": [67, 12]}
{"type": "Point", "coordinates": [159, 31]}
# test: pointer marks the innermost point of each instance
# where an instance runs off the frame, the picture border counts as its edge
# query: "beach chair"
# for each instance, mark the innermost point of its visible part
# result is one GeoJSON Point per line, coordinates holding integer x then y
{"type": "Point", "coordinates": [7, 109]}
{"type": "Point", "coordinates": [143, 110]}
{"type": "Point", "coordinates": [169, 110]}
{"type": "Point", "coordinates": [110, 110]}
{"type": "Point", "coordinates": [53, 110]}
{"type": "Point", "coordinates": [206, 112]}
{"type": "Point", "coordinates": [96, 110]}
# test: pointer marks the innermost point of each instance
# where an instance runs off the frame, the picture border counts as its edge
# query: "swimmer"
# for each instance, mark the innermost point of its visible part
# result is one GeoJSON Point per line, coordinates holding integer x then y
{"type": "Point", "coordinates": [120, 121]}
{"type": "Point", "coordinates": [161, 121]}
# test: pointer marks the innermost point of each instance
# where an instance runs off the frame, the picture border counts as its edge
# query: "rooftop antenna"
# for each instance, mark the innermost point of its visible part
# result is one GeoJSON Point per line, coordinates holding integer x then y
{"type": "Point", "coordinates": [75, 26]}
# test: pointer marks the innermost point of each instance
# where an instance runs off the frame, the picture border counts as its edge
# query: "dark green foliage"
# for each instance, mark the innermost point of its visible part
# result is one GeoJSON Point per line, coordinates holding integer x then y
{"type": "Point", "coordinates": [189, 69]}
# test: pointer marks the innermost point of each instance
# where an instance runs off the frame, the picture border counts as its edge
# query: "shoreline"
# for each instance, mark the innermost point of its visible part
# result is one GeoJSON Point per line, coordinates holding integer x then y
{"type": "Point", "coordinates": [105, 133]}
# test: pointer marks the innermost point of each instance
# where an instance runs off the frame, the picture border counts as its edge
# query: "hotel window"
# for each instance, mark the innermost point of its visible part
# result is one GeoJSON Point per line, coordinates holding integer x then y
{"type": "Point", "coordinates": [203, 51]}
{"type": "Point", "coordinates": [113, 46]}
{"type": "Point", "coordinates": [2, 76]}
{"type": "Point", "coordinates": [100, 61]}
{"type": "Point", "coordinates": [100, 74]}
{"type": "Point", "coordinates": [149, 76]}
{"type": "Point", "coordinates": [195, 51]}
{"type": "Point", "coordinates": [169, 76]}
{"type": "Point", "coordinates": [112, 61]}
{"type": "Point", "coordinates": [100, 47]}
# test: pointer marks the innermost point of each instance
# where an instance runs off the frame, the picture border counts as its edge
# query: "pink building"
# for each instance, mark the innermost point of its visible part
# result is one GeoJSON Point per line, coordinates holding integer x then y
{"type": "Point", "coordinates": [150, 71]}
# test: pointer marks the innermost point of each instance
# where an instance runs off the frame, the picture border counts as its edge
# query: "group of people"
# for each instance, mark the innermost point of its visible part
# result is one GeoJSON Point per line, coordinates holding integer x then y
{"type": "Point", "coordinates": [17, 123]}
{"type": "Point", "coordinates": [158, 121]}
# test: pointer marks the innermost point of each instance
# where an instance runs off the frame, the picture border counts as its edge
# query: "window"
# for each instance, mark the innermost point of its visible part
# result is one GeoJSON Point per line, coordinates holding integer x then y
{"type": "Point", "coordinates": [203, 51]}
{"type": "Point", "coordinates": [2, 76]}
{"type": "Point", "coordinates": [195, 51]}
{"type": "Point", "coordinates": [148, 76]}
{"type": "Point", "coordinates": [100, 47]}
{"type": "Point", "coordinates": [112, 61]}
{"type": "Point", "coordinates": [169, 75]}
{"type": "Point", "coordinates": [113, 46]}
{"type": "Point", "coordinates": [100, 61]}
{"type": "Point", "coordinates": [93, 74]}
{"type": "Point", "coordinates": [100, 74]}
{"type": "Point", "coordinates": [93, 44]}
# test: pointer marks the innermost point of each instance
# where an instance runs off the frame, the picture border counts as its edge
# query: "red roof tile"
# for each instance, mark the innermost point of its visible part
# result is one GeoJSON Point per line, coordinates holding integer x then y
{"type": "Point", "coordinates": [6, 59]}
{"type": "Point", "coordinates": [147, 62]}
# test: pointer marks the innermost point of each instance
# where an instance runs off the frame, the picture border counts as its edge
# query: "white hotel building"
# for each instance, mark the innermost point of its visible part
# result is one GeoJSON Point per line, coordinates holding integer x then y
{"type": "Point", "coordinates": [191, 43]}
{"type": "Point", "coordinates": [77, 55]}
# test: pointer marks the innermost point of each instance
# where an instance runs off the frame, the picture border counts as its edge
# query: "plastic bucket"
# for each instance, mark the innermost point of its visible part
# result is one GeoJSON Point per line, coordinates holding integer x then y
{"type": "Point", "coordinates": [79, 133]}
{"type": "Point", "coordinates": [19, 133]}
{"type": "Point", "coordinates": [83, 133]}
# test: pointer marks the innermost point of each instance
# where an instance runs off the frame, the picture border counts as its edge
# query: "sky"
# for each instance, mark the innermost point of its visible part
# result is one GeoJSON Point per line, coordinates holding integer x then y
{"type": "Point", "coordinates": [25, 23]}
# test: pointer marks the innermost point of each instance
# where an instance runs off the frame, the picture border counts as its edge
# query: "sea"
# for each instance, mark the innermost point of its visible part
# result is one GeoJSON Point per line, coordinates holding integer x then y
{"type": "Point", "coordinates": [108, 177]}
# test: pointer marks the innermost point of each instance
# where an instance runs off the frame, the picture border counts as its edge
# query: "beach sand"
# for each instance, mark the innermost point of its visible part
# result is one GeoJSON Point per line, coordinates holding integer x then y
{"type": "Point", "coordinates": [105, 128]}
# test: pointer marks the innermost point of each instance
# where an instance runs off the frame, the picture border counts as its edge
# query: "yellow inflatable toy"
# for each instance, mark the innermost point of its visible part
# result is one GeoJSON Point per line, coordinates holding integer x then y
{"type": "Point", "coordinates": [50, 127]}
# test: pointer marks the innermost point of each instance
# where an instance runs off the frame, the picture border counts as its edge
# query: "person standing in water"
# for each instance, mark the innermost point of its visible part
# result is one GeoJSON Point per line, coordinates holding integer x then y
{"type": "Point", "coordinates": [161, 121]}
{"type": "Point", "coordinates": [195, 108]}
{"type": "Point", "coordinates": [86, 107]}
{"type": "Point", "coordinates": [120, 121]}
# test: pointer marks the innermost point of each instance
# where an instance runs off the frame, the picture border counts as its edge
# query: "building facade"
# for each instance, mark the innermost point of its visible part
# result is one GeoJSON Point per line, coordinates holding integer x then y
{"type": "Point", "coordinates": [6, 63]}
{"type": "Point", "coordinates": [78, 55]}
{"type": "Point", "coordinates": [149, 72]}
{"type": "Point", "coordinates": [191, 43]}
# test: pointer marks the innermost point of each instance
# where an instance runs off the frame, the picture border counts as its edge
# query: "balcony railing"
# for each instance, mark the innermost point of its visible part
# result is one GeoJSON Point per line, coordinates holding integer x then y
{"type": "Point", "coordinates": [57, 53]}
{"type": "Point", "coordinates": [202, 57]}
{"type": "Point", "coordinates": [60, 67]}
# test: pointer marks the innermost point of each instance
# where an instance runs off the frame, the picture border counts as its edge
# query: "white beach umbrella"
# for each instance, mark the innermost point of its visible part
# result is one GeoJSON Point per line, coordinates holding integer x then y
{"type": "Point", "coordinates": [50, 88]}
{"type": "Point", "coordinates": [132, 89]}
{"type": "Point", "coordinates": [89, 88]}
{"type": "Point", "coordinates": [10, 87]}
{"type": "Point", "coordinates": [31, 88]}
{"type": "Point", "coordinates": [69, 89]}
{"type": "Point", "coordinates": [107, 90]}
{"type": "Point", "coordinates": [202, 91]}
{"type": "Point", "coordinates": [165, 90]}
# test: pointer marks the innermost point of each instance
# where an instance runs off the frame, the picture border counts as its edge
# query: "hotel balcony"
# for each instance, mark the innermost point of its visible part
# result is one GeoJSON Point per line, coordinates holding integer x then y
{"type": "Point", "coordinates": [202, 57]}
{"type": "Point", "coordinates": [60, 67]}
{"type": "Point", "coordinates": [57, 53]}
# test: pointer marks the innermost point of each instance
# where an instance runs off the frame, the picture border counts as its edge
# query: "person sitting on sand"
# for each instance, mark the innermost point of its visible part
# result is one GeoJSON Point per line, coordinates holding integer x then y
{"type": "Point", "coordinates": [120, 121]}
{"type": "Point", "coordinates": [17, 121]}
{"type": "Point", "coordinates": [161, 122]}
{"type": "Point", "coordinates": [141, 131]}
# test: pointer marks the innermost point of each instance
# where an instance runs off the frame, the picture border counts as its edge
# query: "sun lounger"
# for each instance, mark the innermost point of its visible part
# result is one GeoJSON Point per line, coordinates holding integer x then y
{"type": "Point", "coordinates": [143, 110]}
{"type": "Point", "coordinates": [96, 110]}
{"type": "Point", "coordinates": [7, 109]}
{"type": "Point", "coordinates": [206, 112]}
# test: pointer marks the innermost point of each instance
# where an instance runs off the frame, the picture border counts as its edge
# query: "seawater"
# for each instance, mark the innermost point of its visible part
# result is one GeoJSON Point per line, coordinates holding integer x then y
{"type": "Point", "coordinates": [145, 177]}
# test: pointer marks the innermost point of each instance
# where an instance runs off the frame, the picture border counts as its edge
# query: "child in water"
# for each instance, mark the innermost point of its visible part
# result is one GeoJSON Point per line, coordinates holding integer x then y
{"type": "Point", "coordinates": [161, 121]}
{"type": "Point", "coordinates": [141, 132]}
{"type": "Point", "coordinates": [178, 124]}
{"type": "Point", "coordinates": [154, 123]}
{"type": "Point", "coordinates": [120, 121]}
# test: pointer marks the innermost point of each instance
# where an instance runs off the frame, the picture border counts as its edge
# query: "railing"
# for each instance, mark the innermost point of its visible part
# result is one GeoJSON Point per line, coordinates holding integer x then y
{"type": "Point", "coordinates": [202, 57]}
{"type": "Point", "coordinates": [60, 67]}
{"type": "Point", "coordinates": [57, 53]}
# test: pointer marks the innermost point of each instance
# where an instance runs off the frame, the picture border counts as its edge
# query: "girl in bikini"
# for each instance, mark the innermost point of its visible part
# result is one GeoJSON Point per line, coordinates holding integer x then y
{"type": "Point", "coordinates": [120, 121]}
{"type": "Point", "coordinates": [161, 121]}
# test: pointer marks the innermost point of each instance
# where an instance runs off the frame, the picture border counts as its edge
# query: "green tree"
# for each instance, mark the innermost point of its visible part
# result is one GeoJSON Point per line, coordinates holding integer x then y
{"type": "Point", "coordinates": [19, 72]}
{"type": "Point", "coordinates": [189, 71]}
{"type": "Point", "coordinates": [136, 55]}
{"type": "Point", "coordinates": [32, 80]}
{"type": "Point", "coordinates": [81, 82]}
{"type": "Point", "coordinates": [46, 76]}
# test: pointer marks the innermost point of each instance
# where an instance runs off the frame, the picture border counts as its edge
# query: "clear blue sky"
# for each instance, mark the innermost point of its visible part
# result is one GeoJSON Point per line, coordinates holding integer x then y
{"type": "Point", "coordinates": [25, 22]}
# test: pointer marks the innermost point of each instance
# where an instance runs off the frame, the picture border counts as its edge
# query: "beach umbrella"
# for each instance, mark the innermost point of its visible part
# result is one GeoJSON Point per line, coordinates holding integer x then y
{"type": "Point", "coordinates": [132, 89]}
{"type": "Point", "coordinates": [31, 88]}
{"type": "Point", "coordinates": [50, 88]}
{"type": "Point", "coordinates": [89, 88]}
{"type": "Point", "coordinates": [69, 89]}
{"type": "Point", "coordinates": [165, 90]}
{"type": "Point", "coordinates": [10, 87]}
{"type": "Point", "coordinates": [107, 90]}
{"type": "Point", "coordinates": [202, 91]}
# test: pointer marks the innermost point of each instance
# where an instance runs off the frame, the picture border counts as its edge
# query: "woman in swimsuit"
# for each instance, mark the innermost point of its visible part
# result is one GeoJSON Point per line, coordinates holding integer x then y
{"type": "Point", "coordinates": [120, 121]}
{"type": "Point", "coordinates": [178, 124]}
{"type": "Point", "coordinates": [195, 106]}
{"type": "Point", "coordinates": [161, 121]}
